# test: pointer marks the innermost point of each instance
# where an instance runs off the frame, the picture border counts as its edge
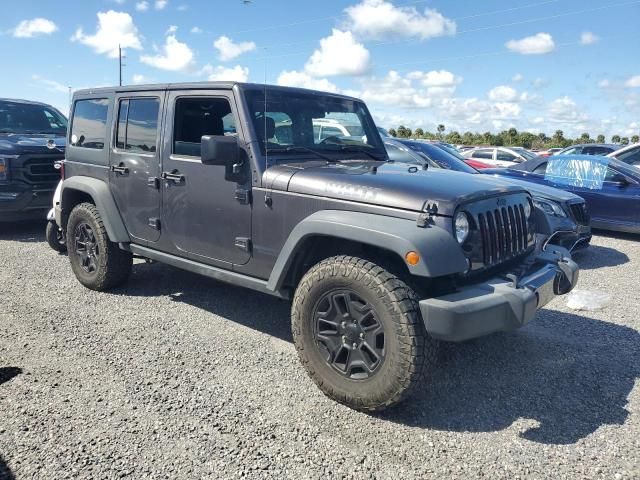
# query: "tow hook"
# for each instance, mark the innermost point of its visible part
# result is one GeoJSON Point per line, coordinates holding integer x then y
{"type": "Point", "coordinates": [566, 278]}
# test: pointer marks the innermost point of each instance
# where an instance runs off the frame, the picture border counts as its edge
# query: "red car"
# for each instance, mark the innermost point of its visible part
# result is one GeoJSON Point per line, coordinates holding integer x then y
{"type": "Point", "coordinates": [477, 164]}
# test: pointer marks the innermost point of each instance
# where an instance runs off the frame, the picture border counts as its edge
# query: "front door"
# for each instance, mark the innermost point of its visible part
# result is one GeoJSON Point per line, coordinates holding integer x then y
{"type": "Point", "coordinates": [203, 214]}
{"type": "Point", "coordinates": [135, 164]}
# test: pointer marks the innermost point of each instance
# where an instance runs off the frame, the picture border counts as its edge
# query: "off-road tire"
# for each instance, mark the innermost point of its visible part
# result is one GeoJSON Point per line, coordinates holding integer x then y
{"type": "Point", "coordinates": [411, 353]}
{"type": "Point", "coordinates": [55, 237]}
{"type": "Point", "coordinates": [112, 264]}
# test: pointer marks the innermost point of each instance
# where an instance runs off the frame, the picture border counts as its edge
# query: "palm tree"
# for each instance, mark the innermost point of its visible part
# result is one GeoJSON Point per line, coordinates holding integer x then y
{"type": "Point", "coordinates": [441, 129]}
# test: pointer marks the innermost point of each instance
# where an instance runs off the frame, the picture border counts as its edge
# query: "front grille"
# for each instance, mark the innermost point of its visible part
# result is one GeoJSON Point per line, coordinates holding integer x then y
{"type": "Point", "coordinates": [504, 233]}
{"type": "Point", "coordinates": [41, 169]}
{"type": "Point", "coordinates": [580, 213]}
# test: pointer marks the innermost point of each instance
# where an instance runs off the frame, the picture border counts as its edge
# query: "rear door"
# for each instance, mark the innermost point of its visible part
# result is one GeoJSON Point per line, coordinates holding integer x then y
{"type": "Point", "coordinates": [135, 163]}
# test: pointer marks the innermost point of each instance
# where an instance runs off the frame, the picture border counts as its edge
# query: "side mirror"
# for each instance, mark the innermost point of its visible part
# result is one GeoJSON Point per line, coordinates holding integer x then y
{"type": "Point", "coordinates": [620, 179]}
{"type": "Point", "coordinates": [219, 150]}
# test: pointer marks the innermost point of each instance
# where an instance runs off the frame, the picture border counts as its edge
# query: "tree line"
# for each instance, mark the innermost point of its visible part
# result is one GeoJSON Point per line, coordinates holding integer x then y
{"type": "Point", "coordinates": [507, 138]}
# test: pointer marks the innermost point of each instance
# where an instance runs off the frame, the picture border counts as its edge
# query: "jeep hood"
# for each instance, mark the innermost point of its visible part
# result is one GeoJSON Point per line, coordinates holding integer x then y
{"type": "Point", "coordinates": [390, 184]}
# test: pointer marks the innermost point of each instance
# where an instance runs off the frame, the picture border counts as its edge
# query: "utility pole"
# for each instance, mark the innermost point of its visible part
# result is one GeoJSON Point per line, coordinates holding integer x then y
{"type": "Point", "coordinates": [120, 57]}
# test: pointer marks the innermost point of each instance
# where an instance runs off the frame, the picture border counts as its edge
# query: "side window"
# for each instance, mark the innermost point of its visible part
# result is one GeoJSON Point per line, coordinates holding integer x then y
{"type": "Point", "coordinates": [540, 169]}
{"type": "Point", "coordinates": [138, 125]}
{"type": "Point", "coordinates": [631, 157]}
{"type": "Point", "coordinates": [195, 117]}
{"type": "Point", "coordinates": [53, 121]}
{"type": "Point", "coordinates": [486, 154]}
{"type": "Point", "coordinates": [505, 156]}
{"type": "Point", "coordinates": [572, 151]}
{"type": "Point", "coordinates": [398, 155]}
{"type": "Point", "coordinates": [610, 174]}
{"type": "Point", "coordinates": [89, 124]}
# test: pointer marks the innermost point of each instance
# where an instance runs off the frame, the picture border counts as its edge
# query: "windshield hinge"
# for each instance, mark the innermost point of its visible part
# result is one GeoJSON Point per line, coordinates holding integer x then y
{"type": "Point", "coordinates": [426, 217]}
{"type": "Point", "coordinates": [243, 196]}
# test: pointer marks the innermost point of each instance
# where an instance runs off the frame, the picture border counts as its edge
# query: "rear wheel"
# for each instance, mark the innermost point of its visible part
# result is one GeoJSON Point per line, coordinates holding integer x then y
{"type": "Point", "coordinates": [359, 333]}
{"type": "Point", "coordinates": [55, 237]}
{"type": "Point", "coordinates": [98, 263]}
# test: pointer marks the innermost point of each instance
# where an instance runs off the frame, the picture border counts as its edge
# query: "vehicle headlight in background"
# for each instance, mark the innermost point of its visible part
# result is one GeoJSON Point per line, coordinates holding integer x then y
{"type": "Point", "coordinates": [549, 207]}
{"type": "Point", "coordinates": [461, 227]}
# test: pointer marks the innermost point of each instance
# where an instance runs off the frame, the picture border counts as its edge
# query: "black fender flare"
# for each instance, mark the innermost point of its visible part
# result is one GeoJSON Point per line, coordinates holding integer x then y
{"type": "Point", "coordinates": [98, 190]}
{"type": "Point", "coordinates": [440, 254]}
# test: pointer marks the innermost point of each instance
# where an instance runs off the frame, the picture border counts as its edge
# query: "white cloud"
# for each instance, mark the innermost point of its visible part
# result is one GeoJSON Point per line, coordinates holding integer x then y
{"type": "Point", "coordinates": [518, 77]}
{"type": "Point", "coordinates": [50, 85]}
{"type": "Point", "coordinates": [564, 110]}
{"type": "Point", "coordinates": [142, 6]}
{"type": "Point", "coordinates": [175, 56]}
{"type": "Point", "coordinates": [139, 79]}
{"type": "Point", "coordinates": [394, 90]}
{"type": "Point", "coordinates": [34, 27]}
{"type": "Point", "coordinates": [228, 49]}
{"type": "Point", "coordinates": [633, 82]}
{"type": "Point", "coordinates": [229, 74]}
{"type": "Point", "coordinates": [604, 83]}
{"type": "Point", "coordinates": [114, 28]}
{"type": "Point", "coordinates": [540, 82]}
{"type": "Point", "coordinates": [196, 30]}
{"type": "Point", "coordinates": [171, 30]}
{"type": "Point", "coordinates": [160, 4]}
{"type": "Point", "coordinates": [378, 19]}
{"type": "Point", "coordinates": [339, 54]}
{"type": "Point", "coordinates": [537, 44]}
{"type": "Point", "coordinates": [303, 80]}
{"type": "Point", "coordinates": [502, 93]}
{"type": "Point", "coordinates": [440, 83]}
{"type": "Point", "coordinates": [588, 38]}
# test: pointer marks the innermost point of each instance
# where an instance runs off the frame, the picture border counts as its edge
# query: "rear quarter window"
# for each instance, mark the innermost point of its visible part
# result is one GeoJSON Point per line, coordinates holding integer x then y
{"type": "Point", "coordinates": [89, 123]}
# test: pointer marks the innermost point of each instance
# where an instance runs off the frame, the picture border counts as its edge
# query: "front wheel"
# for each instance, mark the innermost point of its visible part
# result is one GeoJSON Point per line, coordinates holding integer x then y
{"type": "Point", "coordinates": [98, 263]}
{"type": "Point", "coordinates": [359, 333]}
{"type": "Point", "coordinates": [55, 237]}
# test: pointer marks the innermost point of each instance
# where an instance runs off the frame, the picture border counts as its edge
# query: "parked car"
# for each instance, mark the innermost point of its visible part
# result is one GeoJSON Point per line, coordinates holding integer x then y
{"type": "Point", "coordinates": [499, 156]}
{"type": "Point", "coordinates": [568, 217]}
{"type": "Point", "coordinates": [324, 128]}
{"type": "Point", "coordinates": [611, 188]}
{"type": "Point", "coordinates": [629, 155]}
{"type": "Point", "coordinates": [550, 152]}
{"type": "Point", "coordinates": [477, 164]}
{"type": "Point", "coordinates": [32, 139]}
{"type": "Point", "coordinates": [55, 235]}
{"type": "Point", "coordinates": [379, 258]}
{"type": "Point", "coordinates": [589, 149]}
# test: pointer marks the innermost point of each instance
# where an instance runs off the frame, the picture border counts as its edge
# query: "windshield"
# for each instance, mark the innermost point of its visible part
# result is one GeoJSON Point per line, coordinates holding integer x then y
{"type": "Point", "coordinates": [524, 153]}
{"type": "Point", "coordinates": [297, 122]}
{"type": "Point", "coordinates": [25, 118]}
{"type": "Point", "coordinates": [440, 155]}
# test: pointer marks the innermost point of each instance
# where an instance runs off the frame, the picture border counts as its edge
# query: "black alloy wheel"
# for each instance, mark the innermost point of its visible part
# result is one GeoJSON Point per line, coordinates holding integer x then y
{"type": "Point", "coordinates": [86, 247]}
{"type": "Point", "coordinates": [348, 333]}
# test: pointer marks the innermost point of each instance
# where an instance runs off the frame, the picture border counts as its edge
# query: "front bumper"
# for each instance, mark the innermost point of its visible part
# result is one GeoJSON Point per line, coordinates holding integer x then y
{"type": "Point", "coordinates": [500, 304]}
{"type": "Point", "coordinates": [21, 204]}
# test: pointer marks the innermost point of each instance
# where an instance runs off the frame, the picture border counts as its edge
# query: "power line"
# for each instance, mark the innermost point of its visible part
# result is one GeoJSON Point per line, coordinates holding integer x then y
{"type": "Point", "coordinates": [473, 30]}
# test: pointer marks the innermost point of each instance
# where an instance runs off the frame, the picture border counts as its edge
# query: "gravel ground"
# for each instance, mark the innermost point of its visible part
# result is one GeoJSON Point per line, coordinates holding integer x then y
{"type": "Point", "coordinates": [177, 376]}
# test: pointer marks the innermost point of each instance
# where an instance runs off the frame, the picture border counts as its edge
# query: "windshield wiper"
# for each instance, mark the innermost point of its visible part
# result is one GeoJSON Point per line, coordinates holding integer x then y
{"type": "Point", "coordinates": [355, 148]}
{"type": "Point", "coordinates": [299, 148]}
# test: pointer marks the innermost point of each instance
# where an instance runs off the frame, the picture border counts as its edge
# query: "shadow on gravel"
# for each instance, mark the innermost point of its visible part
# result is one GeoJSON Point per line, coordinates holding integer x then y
{"type": "Point", "coordinates": [596, 257]}
{"type": "Point", "coordinates": [6, 374]}
{"type": "Point", "coordinates": [568, 373]}
{"type": "Point", "coordinates": [29, 232]}
{"type": "Point", "coordinates": [258, 311]}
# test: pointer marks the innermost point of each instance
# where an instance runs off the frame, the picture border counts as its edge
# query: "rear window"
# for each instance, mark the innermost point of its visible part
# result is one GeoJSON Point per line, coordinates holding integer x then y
{"type": "Point", "coordinates": [89, 124]}
{"type": "Point", "coordinates": [485, 154]}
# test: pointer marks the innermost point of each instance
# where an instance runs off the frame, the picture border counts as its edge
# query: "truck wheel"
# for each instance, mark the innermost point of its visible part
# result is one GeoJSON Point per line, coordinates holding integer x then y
{"type": "Point", "coordinates": [98, 263]}
{"type": "Point", "coordinates": [359, 333]}
{"type": "Point", "coordinates": [55, 237]}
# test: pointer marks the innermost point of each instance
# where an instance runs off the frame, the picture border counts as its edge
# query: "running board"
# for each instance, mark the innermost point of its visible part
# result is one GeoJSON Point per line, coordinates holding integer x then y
{"type": "Point", "coordinates": [220, 274]}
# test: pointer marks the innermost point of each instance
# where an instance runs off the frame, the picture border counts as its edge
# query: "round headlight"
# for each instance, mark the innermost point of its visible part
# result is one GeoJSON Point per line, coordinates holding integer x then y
{"type": "Point", "coordinates": [461, 226]}
{"type": "Point", "coordinates": [527, 209]}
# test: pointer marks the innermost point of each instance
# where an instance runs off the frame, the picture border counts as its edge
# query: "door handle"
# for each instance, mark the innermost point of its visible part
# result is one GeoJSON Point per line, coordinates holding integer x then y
{"type": "Point", "coordinates": [173, 176]}
{"type": "Point", "coordinates": [120, 169]}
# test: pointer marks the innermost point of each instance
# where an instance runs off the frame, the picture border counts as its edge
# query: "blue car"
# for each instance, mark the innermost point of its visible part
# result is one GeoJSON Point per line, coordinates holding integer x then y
{"type": "Point", "coordinates": [611, 188]}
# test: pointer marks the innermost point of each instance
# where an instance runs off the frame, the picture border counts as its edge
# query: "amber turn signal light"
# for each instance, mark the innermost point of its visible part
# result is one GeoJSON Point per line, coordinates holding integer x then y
{"type": "Point", "coordinates": [412, 258]}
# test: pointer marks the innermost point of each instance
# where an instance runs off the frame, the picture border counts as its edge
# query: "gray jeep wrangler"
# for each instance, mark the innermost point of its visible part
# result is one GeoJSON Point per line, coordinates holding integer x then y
{"type": "Point", "coordinates": [247, 184]}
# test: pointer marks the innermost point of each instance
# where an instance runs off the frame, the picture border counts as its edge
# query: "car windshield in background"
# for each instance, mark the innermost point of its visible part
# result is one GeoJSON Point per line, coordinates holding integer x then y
{"type": "Point", "coordinates": [295, 123]}
{"type": "Point", "coordinates": [25, 118]}
{"type": "Point", "coordinates": [526, 154]}
{"type": "Point", "coordinates": [441, 157]}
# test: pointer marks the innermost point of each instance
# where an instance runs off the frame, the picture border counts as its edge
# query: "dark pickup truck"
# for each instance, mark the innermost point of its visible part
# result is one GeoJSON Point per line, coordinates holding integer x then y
{"type": "Point", "coordinates": [380, 259]}
{"type": "Point", "coordinates": [32, 139]}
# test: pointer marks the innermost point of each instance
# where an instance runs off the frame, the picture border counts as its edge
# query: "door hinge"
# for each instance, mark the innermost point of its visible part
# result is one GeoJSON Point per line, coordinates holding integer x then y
{"type": "Point", "coordinates": [243, 243]}
{"type": "Point", "coordinates": [154, 223]}
{"type": "Point", "coordinates": [243, 196]}
{"type": "Point", "coordinates": [153, 182]}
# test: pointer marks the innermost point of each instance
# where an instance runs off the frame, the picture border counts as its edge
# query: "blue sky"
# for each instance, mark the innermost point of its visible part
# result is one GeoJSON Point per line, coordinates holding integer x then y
{"type": "Point", "coordinates": [531, 64]}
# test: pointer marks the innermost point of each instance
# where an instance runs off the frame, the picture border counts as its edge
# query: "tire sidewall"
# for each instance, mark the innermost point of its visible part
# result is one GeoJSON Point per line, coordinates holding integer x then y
{"type": "Point", "coordinates": [80, 215]}
{"type": "Point", "coordinates": [52, 237]}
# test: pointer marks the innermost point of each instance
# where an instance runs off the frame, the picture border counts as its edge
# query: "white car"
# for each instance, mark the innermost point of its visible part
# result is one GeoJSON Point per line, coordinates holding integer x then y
{"type": "Point", "coordinates": [324, 128]}
{"type": "Point", "coordinates": [501, 157]}
{"type": "Point", "coordinates": [629, 154]}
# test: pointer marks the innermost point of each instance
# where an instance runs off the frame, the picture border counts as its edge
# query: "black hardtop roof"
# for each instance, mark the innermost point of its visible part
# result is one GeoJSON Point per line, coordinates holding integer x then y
{"type": "Point", "coordinates": [199, 86]}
